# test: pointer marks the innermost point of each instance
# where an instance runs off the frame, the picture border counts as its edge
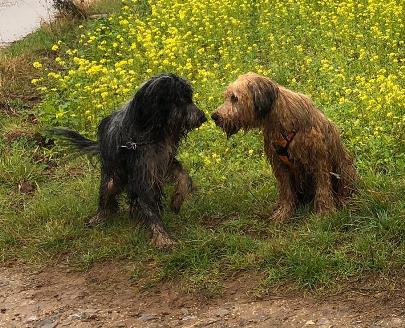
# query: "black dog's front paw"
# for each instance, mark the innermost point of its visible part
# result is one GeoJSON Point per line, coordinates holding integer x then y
{"type": "Point", "coordinates": [162, 240]}
{"type": "Point", "coordinates": [96, 220]}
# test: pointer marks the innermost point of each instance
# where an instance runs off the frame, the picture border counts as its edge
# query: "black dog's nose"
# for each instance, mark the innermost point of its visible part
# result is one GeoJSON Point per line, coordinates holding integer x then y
{"type": "Point", "coordinates": [203, 119]}
{"type": "Point", "coordinates": [215, 116]}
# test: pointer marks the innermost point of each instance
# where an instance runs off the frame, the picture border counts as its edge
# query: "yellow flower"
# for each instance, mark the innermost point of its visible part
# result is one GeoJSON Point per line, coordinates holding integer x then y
{"type": "Point", "coordinates": [37, 64]}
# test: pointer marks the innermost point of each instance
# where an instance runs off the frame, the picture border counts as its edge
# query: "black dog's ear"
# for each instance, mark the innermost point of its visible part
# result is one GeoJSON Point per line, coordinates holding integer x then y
{"type": "Point", "coordinates": [264, 94]}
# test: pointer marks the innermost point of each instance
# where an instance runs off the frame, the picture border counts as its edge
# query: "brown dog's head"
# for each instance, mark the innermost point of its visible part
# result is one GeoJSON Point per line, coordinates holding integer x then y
{"type": "Point", "coordinates": [248, 100]}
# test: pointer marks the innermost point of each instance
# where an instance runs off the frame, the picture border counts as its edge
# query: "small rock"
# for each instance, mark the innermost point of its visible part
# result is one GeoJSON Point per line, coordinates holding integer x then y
{"type": "Point", "coordinates": [210, 321]}
{"type": "Point", "coordinates": [189, 317]}
{"type": "Point", "coordinates": [261, 317]}
{"type": "Point", "coordinates": [324, 323]}
{"type": "Point", "coordinates": [184, 311]}
{"type": "Point", "coordinates": [89, 315]}
{"type": "Point", "coordinates": [148, 317]}
{"type": "Point", "coordinates": [205, 323]}
{"type": "Point", "coordinates": [86, 315]}
{"type": "Point", "coordinates": [75, 316]}
{"type": "Point", "coordinates": [221, 312]}
{"type": "Point", "coordinates": [309, 323]}
{"type": "Point", "coordinates": [31, 319]}
{"type": "Point", "coordinates": [243, 322]}
{"type": "Point", "coordinates": [396, 322]}
{"type": "Point", "coordinates": [50, 322]}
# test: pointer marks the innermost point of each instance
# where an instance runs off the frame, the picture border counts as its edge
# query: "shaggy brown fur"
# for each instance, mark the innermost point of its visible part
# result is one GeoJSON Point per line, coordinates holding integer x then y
{"type": "Point", "coordinates": [304, 148]}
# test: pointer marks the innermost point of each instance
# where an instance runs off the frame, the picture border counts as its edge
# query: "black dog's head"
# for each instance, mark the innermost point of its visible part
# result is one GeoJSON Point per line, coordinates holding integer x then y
{"type": "Point", "coordinates": [164, 104]}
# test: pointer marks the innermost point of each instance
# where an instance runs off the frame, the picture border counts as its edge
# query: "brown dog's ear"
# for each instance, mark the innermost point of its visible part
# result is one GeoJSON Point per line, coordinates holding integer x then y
{"type": "Point", "coordinates": [264, 93]}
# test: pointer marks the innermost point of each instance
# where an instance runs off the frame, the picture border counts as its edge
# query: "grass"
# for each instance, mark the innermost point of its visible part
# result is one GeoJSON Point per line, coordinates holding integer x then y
{"type": "Point", "coordinates": [222, 230]}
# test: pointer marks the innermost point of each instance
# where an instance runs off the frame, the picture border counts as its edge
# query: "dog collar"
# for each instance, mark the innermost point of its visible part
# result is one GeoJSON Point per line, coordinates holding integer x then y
{"type": "Point", "coordinates": [130, 145]}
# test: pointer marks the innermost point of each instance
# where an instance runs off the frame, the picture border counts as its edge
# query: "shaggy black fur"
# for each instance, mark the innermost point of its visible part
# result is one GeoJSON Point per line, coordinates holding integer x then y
{"type": "Point", "coordinates": [138, 145]}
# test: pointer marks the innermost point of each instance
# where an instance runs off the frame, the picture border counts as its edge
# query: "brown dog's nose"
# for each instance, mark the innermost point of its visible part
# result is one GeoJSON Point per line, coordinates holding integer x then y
{"type": "Point", "coordinates": [215, 116]}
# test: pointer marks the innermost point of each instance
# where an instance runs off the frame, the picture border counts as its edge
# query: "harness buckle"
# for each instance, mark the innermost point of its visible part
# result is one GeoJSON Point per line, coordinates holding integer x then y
{"type": "Point", "coordinates": [129, 145]}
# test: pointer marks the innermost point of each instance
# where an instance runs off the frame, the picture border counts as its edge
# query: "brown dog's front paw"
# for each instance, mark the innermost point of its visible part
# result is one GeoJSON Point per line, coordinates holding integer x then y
{"type": "Point", "coordinates": [162, 240]}
{"type": "Point", "coordinates": [96, 220]}
{"type": "Point", "coordinates": [282, 213]}
{"type": "Point", "coordinates": [325, 207]}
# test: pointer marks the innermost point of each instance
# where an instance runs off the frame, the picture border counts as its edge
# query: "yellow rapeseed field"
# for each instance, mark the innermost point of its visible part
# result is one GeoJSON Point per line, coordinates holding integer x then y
{"type": "Point", "coordinates": [347, 55]}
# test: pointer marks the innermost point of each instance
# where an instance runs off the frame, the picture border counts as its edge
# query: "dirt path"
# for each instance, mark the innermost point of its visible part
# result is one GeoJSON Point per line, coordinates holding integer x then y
{"type": "Point", "coordinates": [106, 297]}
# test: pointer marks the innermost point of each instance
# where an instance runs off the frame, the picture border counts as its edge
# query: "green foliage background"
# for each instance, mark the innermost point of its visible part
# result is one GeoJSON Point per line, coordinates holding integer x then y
{"type": "Point", "coordinates": [348, 55]}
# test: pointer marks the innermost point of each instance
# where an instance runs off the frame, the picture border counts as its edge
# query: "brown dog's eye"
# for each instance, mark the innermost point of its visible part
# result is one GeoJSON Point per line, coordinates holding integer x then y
{"type": "Point", "coordinates": [234, 99]}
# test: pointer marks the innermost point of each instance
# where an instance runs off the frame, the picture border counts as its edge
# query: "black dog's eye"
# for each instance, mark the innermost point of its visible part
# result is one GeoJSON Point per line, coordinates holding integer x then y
{"type": "Point", "coordinates": [234, 99]}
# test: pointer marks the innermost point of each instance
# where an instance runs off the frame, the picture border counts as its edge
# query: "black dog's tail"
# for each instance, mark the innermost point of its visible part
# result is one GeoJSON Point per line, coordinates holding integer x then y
{"type": "Point", "coordinates": [79, 142]}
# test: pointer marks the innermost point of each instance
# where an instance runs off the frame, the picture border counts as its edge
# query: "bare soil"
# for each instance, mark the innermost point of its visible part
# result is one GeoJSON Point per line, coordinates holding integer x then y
{"type": "Point", "coordinates": [105, 296]}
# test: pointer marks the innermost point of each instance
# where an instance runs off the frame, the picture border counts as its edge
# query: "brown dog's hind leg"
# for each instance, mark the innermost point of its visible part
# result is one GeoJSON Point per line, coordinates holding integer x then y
{"type": "Point", "coordinates": [184, 185]}
{"type": "Point", "coordinates": [324, 200]}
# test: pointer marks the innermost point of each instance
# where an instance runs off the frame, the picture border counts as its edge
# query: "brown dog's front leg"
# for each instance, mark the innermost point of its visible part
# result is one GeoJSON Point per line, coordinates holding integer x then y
{"type": "Point", "coordinates": [184, 185]}
{"type": "Point", "coordinates": [287, 197]}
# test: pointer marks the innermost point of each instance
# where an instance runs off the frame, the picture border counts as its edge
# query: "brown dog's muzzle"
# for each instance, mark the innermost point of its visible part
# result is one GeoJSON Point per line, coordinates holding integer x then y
{"type": "Point", "coordinates": [228, 127]}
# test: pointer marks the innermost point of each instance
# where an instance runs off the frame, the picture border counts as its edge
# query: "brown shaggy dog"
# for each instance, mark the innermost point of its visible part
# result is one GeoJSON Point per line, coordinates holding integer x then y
{"type": "Point", "coordinates": [304, 148]}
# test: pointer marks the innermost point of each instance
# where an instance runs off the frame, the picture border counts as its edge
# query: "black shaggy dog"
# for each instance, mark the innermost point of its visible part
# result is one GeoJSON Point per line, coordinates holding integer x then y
{"type": "Point", "coordinates": [138, 145]}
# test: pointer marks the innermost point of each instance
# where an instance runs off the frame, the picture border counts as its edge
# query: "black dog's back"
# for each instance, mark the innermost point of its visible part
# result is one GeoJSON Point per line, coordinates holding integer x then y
{"type": "Point", "coordinates": [79, 142]}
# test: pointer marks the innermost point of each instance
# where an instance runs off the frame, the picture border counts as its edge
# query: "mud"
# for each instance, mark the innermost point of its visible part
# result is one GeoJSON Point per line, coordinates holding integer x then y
{"type": "Point", "coordinates": [105, 296]}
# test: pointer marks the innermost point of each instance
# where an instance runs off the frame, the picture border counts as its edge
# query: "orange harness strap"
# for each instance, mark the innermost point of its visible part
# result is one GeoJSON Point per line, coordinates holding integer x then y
{"type": "Point", "coordinates": [281, 147]}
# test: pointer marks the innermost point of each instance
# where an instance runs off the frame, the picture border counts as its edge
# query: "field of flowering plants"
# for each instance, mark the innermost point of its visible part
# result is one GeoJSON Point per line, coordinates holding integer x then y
{"type": "Point", "coordinates": [347, 55]}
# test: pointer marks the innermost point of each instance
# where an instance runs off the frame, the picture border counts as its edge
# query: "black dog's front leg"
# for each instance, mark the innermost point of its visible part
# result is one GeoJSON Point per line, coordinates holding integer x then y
{"type": "Point", "coordinates": [151, 217]}
{"type": "Point", "coordinates": [184, 185]}
{"type": "Point", "coordinates": [147, 207]}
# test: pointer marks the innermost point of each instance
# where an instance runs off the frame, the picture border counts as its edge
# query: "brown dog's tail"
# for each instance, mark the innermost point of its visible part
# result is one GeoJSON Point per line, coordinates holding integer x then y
{"type": "Point", "coordinates": [80, 143]}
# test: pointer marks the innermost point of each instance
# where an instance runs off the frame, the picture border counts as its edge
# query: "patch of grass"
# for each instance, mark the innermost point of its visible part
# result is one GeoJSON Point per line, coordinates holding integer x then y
{"type": "Point", "coordinates": [224, 228]}
{"type": "Point", "coordinates": [215, 240]}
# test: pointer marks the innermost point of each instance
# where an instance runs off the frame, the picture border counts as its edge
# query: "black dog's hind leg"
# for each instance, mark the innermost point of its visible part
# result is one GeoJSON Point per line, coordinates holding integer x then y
{"type": "Point", "coordinates": [184, 185]}
{"type": "Point", "coordinates": [107, 204]}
